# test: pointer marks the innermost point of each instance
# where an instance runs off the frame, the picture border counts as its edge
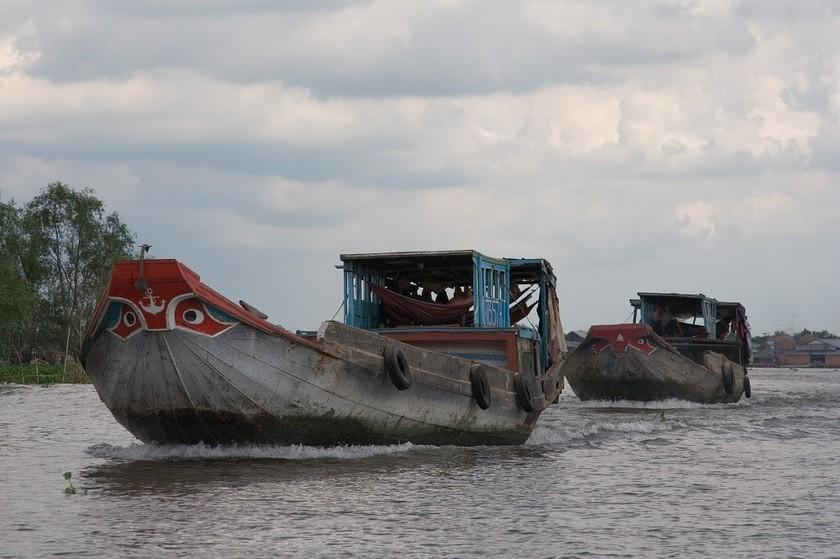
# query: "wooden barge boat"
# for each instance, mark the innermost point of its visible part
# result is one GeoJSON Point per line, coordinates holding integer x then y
{"type": "Point", "coordinates": [429, 352]}
{"type": "Point", "coordinates": [684, 346]}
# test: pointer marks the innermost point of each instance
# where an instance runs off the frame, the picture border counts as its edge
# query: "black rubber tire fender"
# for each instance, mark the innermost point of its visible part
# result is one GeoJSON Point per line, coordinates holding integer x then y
{"type": "Point", "coordinates": [524, 393]}
{"type": "Point", "coordinates": [747, 387]}
{"type": "Point", "coordinates": [728, 378]}
{"type": "Point", "coordinates": [480, 386]}
{"type": "Point", "coordinates": [397, 367]}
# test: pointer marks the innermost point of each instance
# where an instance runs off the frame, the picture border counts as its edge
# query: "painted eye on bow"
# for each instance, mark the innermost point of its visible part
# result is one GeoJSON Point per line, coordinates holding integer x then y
{"type": "Point", "coordinates": [122, 320]}
{"type": "Point", "coordinates": [193, 316]}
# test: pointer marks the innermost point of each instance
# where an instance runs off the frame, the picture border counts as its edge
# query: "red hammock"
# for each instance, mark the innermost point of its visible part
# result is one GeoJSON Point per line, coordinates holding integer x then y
{"type": "Point", "coordinates": [403, 308]}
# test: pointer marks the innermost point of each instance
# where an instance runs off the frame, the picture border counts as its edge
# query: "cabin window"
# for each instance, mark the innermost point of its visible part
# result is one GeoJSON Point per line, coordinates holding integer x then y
{"type": "Point", "coordinates": [680, 316]}
{"type": "Point", "coordinates": [493, 279]}
{"type": "Point", "coordinates": [492, 304]}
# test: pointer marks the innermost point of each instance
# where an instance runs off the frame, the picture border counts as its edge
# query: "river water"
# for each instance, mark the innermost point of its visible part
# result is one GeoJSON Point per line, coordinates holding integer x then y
{"type": "Point", "coordinates": [760, 478]}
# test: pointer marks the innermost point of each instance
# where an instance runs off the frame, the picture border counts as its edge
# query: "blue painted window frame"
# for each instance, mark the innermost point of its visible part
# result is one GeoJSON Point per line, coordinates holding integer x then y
{"type": "Point", "coordinates": [491, 292]}
{"type": "Point", "coordinates": [361, 305]}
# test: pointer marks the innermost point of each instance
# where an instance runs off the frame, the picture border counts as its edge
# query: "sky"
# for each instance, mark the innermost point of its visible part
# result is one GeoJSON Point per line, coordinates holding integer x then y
{"type": "Point", "coordinates": [689, 146]}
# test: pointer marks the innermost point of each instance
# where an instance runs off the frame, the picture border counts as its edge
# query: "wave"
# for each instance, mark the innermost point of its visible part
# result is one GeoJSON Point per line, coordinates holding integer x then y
{"type": "Point", "coordinates": [670, 404]}
{"type": "Point", "coordinates": [551, 435]}
{"type": "Point", "coordinates": [151, 452]}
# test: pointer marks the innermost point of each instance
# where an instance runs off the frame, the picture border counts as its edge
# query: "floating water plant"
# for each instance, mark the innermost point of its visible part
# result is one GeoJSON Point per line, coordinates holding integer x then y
{"type": "Point", "coordinates": [70, 489]}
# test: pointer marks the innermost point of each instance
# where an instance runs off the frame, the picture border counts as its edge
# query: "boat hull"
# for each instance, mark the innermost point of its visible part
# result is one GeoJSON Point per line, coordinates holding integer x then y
{"type": "Point", "coordinates": [609, 371]}
{"type": "Point", "coordinates": [250, 387]}
{"type": "Point", "coordinates": [178, 363]}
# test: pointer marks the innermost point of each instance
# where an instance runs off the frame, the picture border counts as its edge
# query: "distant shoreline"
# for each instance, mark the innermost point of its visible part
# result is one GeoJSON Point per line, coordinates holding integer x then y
{"type": "Point", "coordinates": [40, 374]}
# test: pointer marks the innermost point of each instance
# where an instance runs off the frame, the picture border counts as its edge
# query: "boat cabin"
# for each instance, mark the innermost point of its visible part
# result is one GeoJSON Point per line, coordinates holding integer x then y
{"type": "Point", "coordinates": [696, 323]}
{"type": "Point", "coordinates": [464, 303]}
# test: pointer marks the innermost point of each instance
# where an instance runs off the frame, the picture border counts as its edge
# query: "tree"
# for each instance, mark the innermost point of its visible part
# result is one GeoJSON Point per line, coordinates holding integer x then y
{"type": "Point", "coordinates": [17, 295]}
{"type": "Point", "coordinates": [75, 243]}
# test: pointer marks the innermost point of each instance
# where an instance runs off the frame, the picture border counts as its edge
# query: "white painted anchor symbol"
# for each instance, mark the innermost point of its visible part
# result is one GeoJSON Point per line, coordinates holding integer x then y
{"type": "Point", "coordinates": [152, 306]}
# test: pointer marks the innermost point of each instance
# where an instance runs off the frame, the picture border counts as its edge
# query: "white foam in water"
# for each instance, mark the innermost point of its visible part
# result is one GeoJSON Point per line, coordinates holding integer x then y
{"type": "Point", "coordinates": [671, 404]}
{"type": "Point", "coordinates": [548, 435]}
{"type": "Point", "coordinates": [206, 452]}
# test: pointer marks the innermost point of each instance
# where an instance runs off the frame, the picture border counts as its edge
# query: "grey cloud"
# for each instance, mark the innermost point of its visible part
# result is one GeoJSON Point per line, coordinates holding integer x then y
{"type": "Point", "coordinates": [212, 8]}
{"type": "Point", "coordinates": [478, 48]}
{"type": "Point", "coordinates": [789, 10]}
{"type": "Point", "coordinates": [354, 165]}
{"type": "Point", "coordinates": [190, 168]}
{"type": "Point", "coordinates": [825, 145]}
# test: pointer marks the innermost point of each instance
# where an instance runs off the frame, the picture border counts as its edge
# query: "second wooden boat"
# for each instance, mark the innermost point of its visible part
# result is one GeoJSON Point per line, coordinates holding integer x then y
{"type": "Point", "coordinates": [684, 346]}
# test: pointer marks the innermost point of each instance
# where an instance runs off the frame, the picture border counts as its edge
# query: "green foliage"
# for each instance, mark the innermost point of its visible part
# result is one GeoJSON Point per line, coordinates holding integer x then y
{"type": "Point", "coordinates": [76, 244]}
{"type": "Point", "coordinates": [820, 335]}
{"type": "Point", "coordinates": [760, 340]}
{"type": "Point", "coordinates": [29, 373]}
{"type": "Point", "coordinates": [56, 254]}
{"type": "Point", "coordinates": [70, 489]}
{"type": "Point", "coordinates": [823, 334]}
{"type": "Point", "coordinates": [17, 295]}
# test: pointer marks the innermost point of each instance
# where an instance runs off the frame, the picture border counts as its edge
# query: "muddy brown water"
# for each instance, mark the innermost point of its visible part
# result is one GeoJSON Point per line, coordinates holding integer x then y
{"type": "Point", "coordinates": [760, 478]}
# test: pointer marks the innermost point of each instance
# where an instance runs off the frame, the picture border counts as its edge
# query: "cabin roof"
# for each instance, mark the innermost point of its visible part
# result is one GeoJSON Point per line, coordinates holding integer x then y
{"type": "Point", "coordinates": [701, 296]}
{"type": "Point", "coordinates": [410, 255]}
{"type": "Point", "coordinates": [688, 298]}
{"type": "Point", "coordinates": [413, 262]}
{"type": "Point", "coordinates": [528, 269]}
{"type": "Point", "coordinates": [685, 304]}
{"type": "Point", "coordinates": [413, 259]}
{"type": "Point", "coordinates": [446, 265]}
{"type": "Point", "coordinates": [675, 296]}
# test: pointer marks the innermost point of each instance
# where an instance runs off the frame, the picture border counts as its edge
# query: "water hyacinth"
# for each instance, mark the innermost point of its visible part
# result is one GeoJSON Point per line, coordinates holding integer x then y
{"type": "Point", "coordinates": [70, 489]}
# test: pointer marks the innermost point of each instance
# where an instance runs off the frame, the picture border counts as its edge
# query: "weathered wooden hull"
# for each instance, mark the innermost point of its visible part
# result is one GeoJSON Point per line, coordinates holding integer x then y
{"type": "Point", "coordinates": [176, 362]}
{"type": "Point", "coordinates": [250, 387]}
{"type": "Point", "coordinates": [599, 371]}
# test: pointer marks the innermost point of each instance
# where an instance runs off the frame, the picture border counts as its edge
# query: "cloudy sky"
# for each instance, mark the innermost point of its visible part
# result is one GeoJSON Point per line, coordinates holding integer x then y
{"type": "Point", "coordinates": [639, 146]}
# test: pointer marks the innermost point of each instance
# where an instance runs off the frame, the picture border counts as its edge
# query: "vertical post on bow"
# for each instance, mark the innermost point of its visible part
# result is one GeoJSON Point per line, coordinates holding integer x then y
{"type": "Point", "coordinates": [141, 283]}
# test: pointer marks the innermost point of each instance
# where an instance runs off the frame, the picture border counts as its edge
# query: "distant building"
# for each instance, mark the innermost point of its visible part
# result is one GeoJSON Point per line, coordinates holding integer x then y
{"type": "Point", "coordinates": [768, 353]}
{"type": "Point", "coordinates": [764, 357]}
{"type": "Point", "coordinates": [815, 353]}
{"type": "Point", "coordinates": [781, 343]}
{"type": "Point", "coordinates": [574, 338]}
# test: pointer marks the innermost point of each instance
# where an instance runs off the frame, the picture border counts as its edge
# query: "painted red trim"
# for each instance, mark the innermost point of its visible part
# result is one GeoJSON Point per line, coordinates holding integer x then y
{"type": "Point", "coordinates": [620, 337]}
{"type": "Point", "coordinates": [169, 279]}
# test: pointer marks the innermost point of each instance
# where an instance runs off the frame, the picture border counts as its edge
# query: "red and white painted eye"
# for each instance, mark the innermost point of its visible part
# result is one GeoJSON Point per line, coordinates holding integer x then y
{"type": "Point", "coordinates": [128, 323]}
{"type": "Point", "coordinates": [192, 315]}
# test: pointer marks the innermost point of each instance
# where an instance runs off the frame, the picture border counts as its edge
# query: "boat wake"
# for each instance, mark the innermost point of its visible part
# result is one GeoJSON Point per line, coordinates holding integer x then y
{"type": "Point", "coordinates": [151, 452]}
{"type": "Point", "coordinates": [552, 435]}
{"type": "Point", "coordinates": [670, 404]}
